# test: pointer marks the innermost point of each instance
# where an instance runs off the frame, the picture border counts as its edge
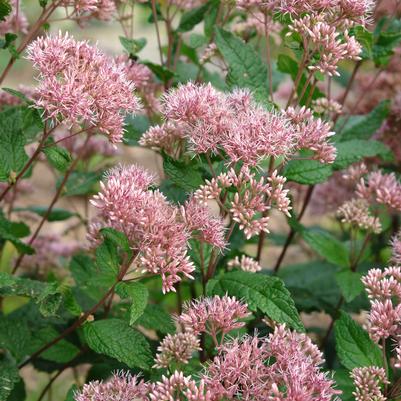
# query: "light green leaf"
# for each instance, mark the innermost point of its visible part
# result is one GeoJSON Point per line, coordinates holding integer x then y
{"type": "Point", "coordinates": [135, 126]}
{"type": "Point", "coordinates": [362, 126]}
{"type": "Point", "coordinates": [307, 172]}
{"type": "Point", "coordinates": [246, 68]}
{"type": "Point", "coordinates": [259, 291]}
{"type": "Point", "coordinates": [58, 157]}
{"type": "Point", "coordinates": [349, 152]}
{"type": "Point", "coordinates": [138, 294]}
{"type": "Point", "coordinates": [354, 347]}
{"type": "Point", "coordinates": [81, 183]}
{"type": "Point", "coordinates": [133, 46]}
{"type": "Point", "coordinates": [327, 246]}
{"type": "Point", "coordinates": [107, 257]}
{"type": "Point", "coordinates": [115, 338]}
{"type": "Point", "coordinates": [349, 283]}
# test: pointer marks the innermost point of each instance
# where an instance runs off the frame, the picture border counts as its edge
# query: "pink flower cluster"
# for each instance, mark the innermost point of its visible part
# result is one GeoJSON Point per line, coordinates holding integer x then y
{"type": "Point", "coordinates": [213, 122]}
{"type": "Point", "coordinates": [213, 315]}
{"type": "Point", "coordinates": [250, 200]}
{"type": "Point", "coordinates": [396, 249]}
{"type": "Point", "coordinates": [80, 85]}
{"type": "Point", "coordinates": [157, 230]}
{"type": "Point", "coordinates": [241, 370]}
{"type": "Point", "coordinates": [176, 348]}
{"type": "Point", "coordinates": [381, 188]}
{"type": "Point", "coordinates": [367, 381]}
{"type": "Point", "coordinates": [384, 292]}
{"type": "Point", "coordinates": [103, 10]}
{"type": "Point", "coordinates": [246, 264]}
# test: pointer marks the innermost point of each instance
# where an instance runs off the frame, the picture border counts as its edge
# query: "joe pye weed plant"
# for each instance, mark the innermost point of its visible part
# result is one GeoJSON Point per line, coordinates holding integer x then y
{"type": "Point", "coordinates": [259, 260]}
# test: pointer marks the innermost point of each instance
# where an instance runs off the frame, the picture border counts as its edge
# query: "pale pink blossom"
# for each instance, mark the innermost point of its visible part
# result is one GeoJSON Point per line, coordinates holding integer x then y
{"type": "Point", "coordinates": [396, 249]}
{"type": "Point", "coordinates": [368, 381]}
{"type": "Point", "coordinates": [246, 264]}
{"type": "Point", "coordinates": [121, 387]}
{"type": "Point", "coordinates": [178, 387]}
{"type": "Point", "coordinates": [103, 10]}
{"type": "Point", "coordinates": [154, 227]}
{"type": "Point", "coordinates": [381, 188]}
{"type": "Point", "coordinates": [176, 348]}
{"type": "Point", "coordinates": [213, 315]}
{"type": "Point", "coordinates": [204, 226]}
{"type": "Point", "coordinates": [80, 85]}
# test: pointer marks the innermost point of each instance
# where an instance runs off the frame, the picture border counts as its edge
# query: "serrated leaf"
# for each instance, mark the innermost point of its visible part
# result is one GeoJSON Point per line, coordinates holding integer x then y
{"type": "Point", "coordinates": [352, 151]}
{"type": "Point", "coordinates": [58, 157]}
{"type": "Point", "coordinates": [12, 231]}
{"type": "Point", "coordinates": [15, 336]}
{"type": "Point", "coordinates": [46, 295]}
{"type": "Point", "coordinates": [115, 338]}
{"type": "Point", "coordinates": [9, 376]}
{"type": "Point", "coordinates": [362, 126]}
{"type": "Point", "coordinates": [354, 347]}
{"type": "Point", "coordinates": [196, 40]}
{"type": "Point", "coordinates": [349, 283]}
{"type": "Point", "coordinates": [246, 68]}
{"type": "Point", "coordinates": [327, 246]}
{"type": "Point", "coordinates": [138, 294]}
{"type": "Point", "coordinates": [161, 72]}
{"type": "Point", "coordinates": [345, 384]}
{"type": "Point", "coordinates": [307, 172]}
{"type": "Point", "coordinates": [259, 291]}
{"type": "Point", "coordinates": [118, 238]}
{"type": "Point", "coordinates": [107, 257]}
{"type": "Point", "coordinates": [185, 176]}
{"type": "Point", "coordinates": [156, 318]}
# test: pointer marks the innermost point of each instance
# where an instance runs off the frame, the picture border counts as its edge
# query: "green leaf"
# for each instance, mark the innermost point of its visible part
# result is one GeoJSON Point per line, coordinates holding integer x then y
{"type": "Point", "coordinates": [211, 18]}
{"type": "Point", "coordinates": [118, 238]}
{"type": "Point", "coordinates": [345, 384]}
{"type": "Point", "coordinates": [17, 94]}
{"type": "Point", "coordinates": [352, 151]}
{"type": "Point", "coordinates": [266, 293]}
{"type": "Point", "coordinates": [11, 231]}
{"type": "Point", "coordinates": [71, 393]}
{"type": "Point", "coordinates": [196, 40]}
{"type": "Point", "coordinates": [107, 257]}
{"type": "Point", "coordinates": [9, 376]}
{"type": "Point", "coordinates": [132, 46]}
{"type": "Point", "coordinates": [15, 336]}
{"type": "Point", "coordinates": [115, 338]}
{"type": "Point", "coordinates": [246, 68]}
{"type": "Point", "coordinates": [365, 38]}
{"type": "Point", "coordinates": [138, 294]}
{"type": "Point", "coordinates": [192, 17]}
{"type": "Point", "coordinates": [46, 295]}
{"type": "Point", "coordinates": [62, 352]}
{"type": "Point", "coordinates": [161, 72]}
{"type": "Point", "coordinates": [362, 126]}
{"type": "Point", "coordinates": [312, 285]}
{"type": "Point", "coordinates": [354, 347]}
{"type": "Point", "coordinates": [349, 283]}
{"type": "Point", "coordinates": [156, 318]}
{"type": "Point", "coordinates": [327, 246]}
{"type": "Point", "coordinates": [307, 172]}
{"type": "Point", "coordinates": [57, 214]}
{"type": "Point", "coordinates": [135, 126]}
{"type": "Point", "coordinates": [58, 157]}
{"type": "Point", "coordinates": [81, 183]}
{"type": "Point", "coordinates": [12, 152]}
{"type": "Point", "coordinates": [5, 9]}
{"type": "Point", "coordinates": [185, 176]}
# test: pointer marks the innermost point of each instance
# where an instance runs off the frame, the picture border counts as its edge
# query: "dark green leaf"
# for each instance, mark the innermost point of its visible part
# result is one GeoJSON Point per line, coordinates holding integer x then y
{"type": "Point", "coordinates": [161, 72]}
{"type": "Point", "coordinates": [5, 9]}
{"type": "Point", "coordinates": [345, 384]}
{"type": "Point", "coordinates": [9, 376]}
{"type": "Point", "coordinates": [107, 257]}
{"type": "Point", "coordinates": [115, 338]}
{"type": "Point", "coordinates": [81, 183]}
{"type": "Point", "coordinates": [11, 231]}
{"type": "Point", "coordinates": [118, 238]}
{"type": "Point", "coordinates": [156, 318]}
{"type": "Point", "coordinates": [307, 172]}
{"type": "Point", "coordinates": [15, 336]}
{"type": "Point", "coordinates": [192, 17]}
{"type": "Point", "coordinates": [57, 214]}
{"type": "Point", "coordinates": [354, 347]}
{"type": "Point", "coordinates": [349, 283]}
{"type": "Point", "coordinates": [259, 291]}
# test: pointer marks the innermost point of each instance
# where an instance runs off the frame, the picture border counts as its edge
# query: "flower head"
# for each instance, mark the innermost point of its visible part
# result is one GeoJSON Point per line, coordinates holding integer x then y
{"type": "Point", "coordinates": [80, 85]}
{"type": "Point", "coordinates": [213, 315]}
{"type": "Point", "coordinates": [246, 264]}
{"type": "Point", "coordinates": [367, 381]}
